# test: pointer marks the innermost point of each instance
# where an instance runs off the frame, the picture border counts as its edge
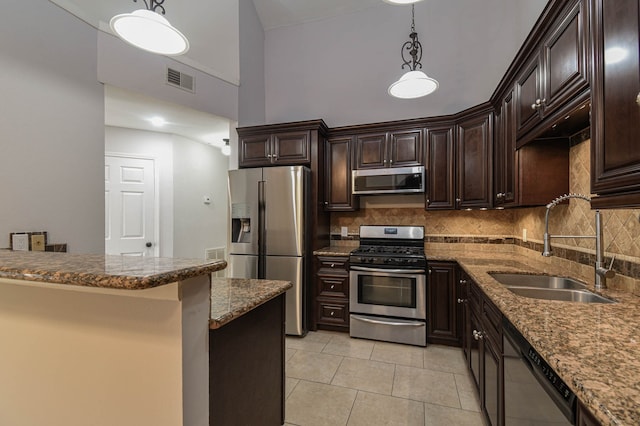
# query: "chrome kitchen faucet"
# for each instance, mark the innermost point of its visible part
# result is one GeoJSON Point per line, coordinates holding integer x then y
{"type": "Point", "coordinates": [601, 271]}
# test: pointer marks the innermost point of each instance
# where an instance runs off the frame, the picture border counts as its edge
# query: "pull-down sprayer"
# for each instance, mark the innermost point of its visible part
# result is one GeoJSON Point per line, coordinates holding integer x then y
{"type": "Point", "coordinates": [601, 271]}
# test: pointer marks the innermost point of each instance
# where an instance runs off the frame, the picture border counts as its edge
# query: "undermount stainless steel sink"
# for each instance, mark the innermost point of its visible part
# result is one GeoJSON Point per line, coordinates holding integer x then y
{"type": "Point", "coordinates": [584, 296]}
{"type": "Point", "coordinates": [536, 281]}
{"type": "Point", "coordinates": [548, 287]}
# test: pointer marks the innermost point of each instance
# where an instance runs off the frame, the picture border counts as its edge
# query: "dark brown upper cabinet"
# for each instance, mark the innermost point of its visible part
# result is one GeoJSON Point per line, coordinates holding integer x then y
{"type": "Point", "coordinates": [458, 158]}
{"type": "Point", "coordinates": [474, 162]}
{"type": "Point", "coordinates": [337, 176]}
{"type": "Point", "coordinates": [398, 148]}
{"type": "Point", "coordinates": [550, 83]}
{"type": "Point", "coordinates": [441, 166]}
{"type": "Point", "coordinates": [286, 148]}
{"type": "Point", "coordinates": [533, 175]}
{"type": "Point", "coordinates": [615, 129]}
{"type": "Point", "coordinates": [505, 158]}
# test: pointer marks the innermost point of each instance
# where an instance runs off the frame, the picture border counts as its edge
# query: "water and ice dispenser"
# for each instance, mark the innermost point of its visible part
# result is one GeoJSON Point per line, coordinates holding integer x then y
{"type": "Point", "coordinates": [240, 223]}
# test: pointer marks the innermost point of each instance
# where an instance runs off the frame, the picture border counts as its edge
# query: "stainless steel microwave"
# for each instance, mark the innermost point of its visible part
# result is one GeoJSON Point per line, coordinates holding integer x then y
{"type": "Point", "coordinates": [392, 180]}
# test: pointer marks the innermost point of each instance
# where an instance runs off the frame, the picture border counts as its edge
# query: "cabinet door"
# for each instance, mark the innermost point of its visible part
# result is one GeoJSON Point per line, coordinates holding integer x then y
{"type": "Point", "coordinates": [491, 382]}
{"type": "Point", "coordinates": [371, 151]}
{"type": "Point", "coordinates": [405, 148]}
{"type": "Point", "coordinates": [255, 151]}
{"type": "Point", "coordinates": [506, 165]}
{"type": "Point", "coordinates": [442, 305]}
{"type": "Point", "coordinates": [564, 53]}
{"type": "Point", "coordinates": [615, 121]}
{"type": "Point", "coordinates": [473, 151]}
{"type": "Point", "coordinates": [474, 346]}
{"type": "Point", "coordinates": [337, 176]}
{"type": "Point", "coordinates": [528, 90]}
{"type": "Point", "coordinates": [291, 148]}
{"type": "Point", "coordinates": [440, 155]}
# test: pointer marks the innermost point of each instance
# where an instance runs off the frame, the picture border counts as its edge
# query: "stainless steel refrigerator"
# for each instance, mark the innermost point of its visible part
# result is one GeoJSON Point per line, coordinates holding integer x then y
{"type": "Point", "coordinates": [268, 210]}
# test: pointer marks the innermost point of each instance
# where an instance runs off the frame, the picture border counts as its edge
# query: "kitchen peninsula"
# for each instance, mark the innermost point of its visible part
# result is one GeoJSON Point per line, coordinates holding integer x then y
{"type": "Point", "coordinates": [104, 340]}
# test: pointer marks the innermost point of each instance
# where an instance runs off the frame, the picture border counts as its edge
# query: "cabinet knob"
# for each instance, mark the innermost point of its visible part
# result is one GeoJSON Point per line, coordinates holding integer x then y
{"type": "Point", "coordinates": [463, 282]}
{"type": "Point", "coordinates": [538, 104]}
{"type": "Point", "coordinates": [461, 300]}
{"type": "Point", "coordinates": [333, 265]}
{"type": "Point", "coordinates": [332, 313]}
{"type": "Point", "coordinates": [477, 335]}
{"type": "Point", "coordinates": [458, 200]}
{"type": "Point", "coordinates": [638, 99]}
{"type": "Point", "coordinates": [326, 203]}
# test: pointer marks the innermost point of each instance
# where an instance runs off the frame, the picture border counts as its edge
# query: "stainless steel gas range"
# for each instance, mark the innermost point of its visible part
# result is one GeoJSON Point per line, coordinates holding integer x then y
{"type": "Point", "coordinates": [388, 285]}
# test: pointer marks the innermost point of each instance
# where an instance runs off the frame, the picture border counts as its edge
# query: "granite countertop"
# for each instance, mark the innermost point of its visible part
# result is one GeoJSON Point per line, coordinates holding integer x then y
{"type": "Point", "coordinates": [233, 297]}
{"type": "Point", "coordinates": [594, 348]}
{"type": "Point", "coordinates": [106, 271]}
{"type": "Point", "coordinates": [333, 251]}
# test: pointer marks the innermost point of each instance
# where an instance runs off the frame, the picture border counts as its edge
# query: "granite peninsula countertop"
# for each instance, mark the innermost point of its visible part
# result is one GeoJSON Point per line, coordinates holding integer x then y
{"type": "Point", "coordinates": [233, 297]}
{"type": "Point", "coordinates": [106, 271]}
{"type": "Point", "coordinates": [594, 348]}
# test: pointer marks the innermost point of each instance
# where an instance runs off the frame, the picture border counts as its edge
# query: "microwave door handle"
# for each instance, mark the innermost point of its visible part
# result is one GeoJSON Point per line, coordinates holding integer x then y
{"type": "Point", "coordinates": [388, 271]}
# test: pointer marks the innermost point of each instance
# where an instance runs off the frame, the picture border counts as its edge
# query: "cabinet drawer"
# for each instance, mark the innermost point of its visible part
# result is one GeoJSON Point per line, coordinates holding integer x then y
{"type": "Point", "coordinates": [331, 313]}
{"type": "Point", "coordinates": [333, 286]}
{"type": "Point", "coordinates": [337, 264]}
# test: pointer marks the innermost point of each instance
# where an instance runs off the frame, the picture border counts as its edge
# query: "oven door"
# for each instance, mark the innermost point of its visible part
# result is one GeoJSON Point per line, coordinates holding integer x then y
{"type": "Point", "coordinates": [399, 293]}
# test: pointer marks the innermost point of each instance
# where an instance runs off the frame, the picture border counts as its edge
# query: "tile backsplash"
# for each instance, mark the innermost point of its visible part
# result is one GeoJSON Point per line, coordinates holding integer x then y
{"type": "Point", "coordinates": [621, 226]}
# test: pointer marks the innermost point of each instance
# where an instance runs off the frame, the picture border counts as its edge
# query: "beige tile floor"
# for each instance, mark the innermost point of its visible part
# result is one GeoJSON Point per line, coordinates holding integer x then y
{"type": "Point", "coordinates": [333, 380]}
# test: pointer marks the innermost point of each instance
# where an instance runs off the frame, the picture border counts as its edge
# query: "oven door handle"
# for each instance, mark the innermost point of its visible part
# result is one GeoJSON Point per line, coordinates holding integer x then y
{"type": "Point", "coordinates": [389, 271]}
{"type": "Point", "coordinates": [386, 322]}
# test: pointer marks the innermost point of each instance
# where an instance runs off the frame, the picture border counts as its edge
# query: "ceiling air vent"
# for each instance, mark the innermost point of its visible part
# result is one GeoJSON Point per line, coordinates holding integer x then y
{"type": "Point", "coordinates": [180, 79]}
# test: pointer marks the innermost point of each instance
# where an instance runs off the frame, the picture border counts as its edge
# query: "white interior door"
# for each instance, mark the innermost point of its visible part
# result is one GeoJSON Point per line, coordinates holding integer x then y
{"type": "Point", "coordinates": [129, 206]}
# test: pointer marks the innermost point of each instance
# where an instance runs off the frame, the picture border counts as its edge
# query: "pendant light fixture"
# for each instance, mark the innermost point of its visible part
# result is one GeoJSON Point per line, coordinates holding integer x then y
{"type": "Point", "coordinates": [414, 83]}
{"type": "Point", "coordinates": [148, 30]}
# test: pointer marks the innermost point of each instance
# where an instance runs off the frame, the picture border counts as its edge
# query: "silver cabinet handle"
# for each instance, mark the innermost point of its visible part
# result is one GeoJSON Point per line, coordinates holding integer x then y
{"type": "Point", "coordinates": [477, 335]}
{"type": "Point", "coordinates": [461, 300]}
{"type": "Point", "coordinates": [638, 99]}
{"type": "Point", "coordinates": [332, 286]}
{"type": "Point", "coordinates": [332, 313]}
{"type": "Point", "coordinates": [458, 200]}
{"type": "Point", "coordinates": [333, 265]}
{"type": "Point", "coordinates": [463, 282]}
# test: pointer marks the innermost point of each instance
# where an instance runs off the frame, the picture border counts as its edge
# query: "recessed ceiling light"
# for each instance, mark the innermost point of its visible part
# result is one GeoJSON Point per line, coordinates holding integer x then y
{"type": "Point", "coordinates": [158, 121]}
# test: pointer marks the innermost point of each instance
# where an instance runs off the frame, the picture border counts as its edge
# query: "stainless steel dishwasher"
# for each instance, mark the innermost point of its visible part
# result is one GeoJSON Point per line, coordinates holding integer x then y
{"type": "Point", "coordinates": [533, 392]}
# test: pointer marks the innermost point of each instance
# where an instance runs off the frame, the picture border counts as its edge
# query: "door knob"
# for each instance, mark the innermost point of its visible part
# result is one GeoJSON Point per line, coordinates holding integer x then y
{"type": "Point", "coordinates": [148, 244]}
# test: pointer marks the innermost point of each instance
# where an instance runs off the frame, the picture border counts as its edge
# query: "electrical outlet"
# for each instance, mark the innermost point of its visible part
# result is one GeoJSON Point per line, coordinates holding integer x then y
{"type": "Point", "coordinates": [524, 235]}
{"type": "Point", "coordinates": [344, 231]}
{"type": "Point", "coordinates": [20, 242]}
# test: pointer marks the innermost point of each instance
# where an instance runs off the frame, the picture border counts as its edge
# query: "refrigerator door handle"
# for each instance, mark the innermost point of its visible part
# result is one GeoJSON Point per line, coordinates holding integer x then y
{"type": "Point", "coordinates": [262, 244]}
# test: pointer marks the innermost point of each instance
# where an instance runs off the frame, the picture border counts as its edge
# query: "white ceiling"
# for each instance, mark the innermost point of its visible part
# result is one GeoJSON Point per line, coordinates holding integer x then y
{"type": "Point", "coordinates": [282, 13]}
{"type": "Point", "coordinates": [203, 21]}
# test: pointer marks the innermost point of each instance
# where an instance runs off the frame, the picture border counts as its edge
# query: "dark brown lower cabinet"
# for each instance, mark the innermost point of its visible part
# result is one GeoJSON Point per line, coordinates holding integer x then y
{"type": "Point", "coordinates": [332, 293]}
{"type": "Point", "coordinates": [246, 368]}
{"type": "Point", "coordinates": [444, 305]}
{"type": "Point", "coordinates": [483, 349]}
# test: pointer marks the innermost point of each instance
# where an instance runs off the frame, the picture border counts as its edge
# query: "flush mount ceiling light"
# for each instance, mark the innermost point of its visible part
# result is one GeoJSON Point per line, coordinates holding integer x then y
{"type": "Point", "coordinates": [414, 83]}
{"type": "Point", "coordinates": [226, 149]}
{"type": "Point", "coordinates": [150, 31]}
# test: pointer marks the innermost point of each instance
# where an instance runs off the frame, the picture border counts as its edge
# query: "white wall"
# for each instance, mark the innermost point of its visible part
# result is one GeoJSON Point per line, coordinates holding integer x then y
{"type": "Point", "coordinates": [339, 68]}
{"type": "Point", "coordinates": [51, 127]}
{"type": "Point", "coordinates": [251, 93]}
{"type": "Point", "coordinates": [130, 68]}
{"type": "Point", "coordinates": [198, 170]}
{"type": "Point", "coordinates": [158, 146]}
{"type": "Point", "coordinates": [188, 171]}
